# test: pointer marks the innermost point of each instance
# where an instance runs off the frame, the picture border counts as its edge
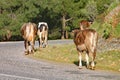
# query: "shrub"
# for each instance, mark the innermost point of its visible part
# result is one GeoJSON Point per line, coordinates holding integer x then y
{"type": "Point", "coordinates": [54, 34]}
{"type": "Point", "coordinates": [116, 31]}
{"type": "Point", "coordinates": [107, 30]}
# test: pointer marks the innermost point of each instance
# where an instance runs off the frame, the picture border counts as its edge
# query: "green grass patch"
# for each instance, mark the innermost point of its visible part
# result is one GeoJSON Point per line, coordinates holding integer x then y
{"type": "Point", "coordinates": [68, 54]}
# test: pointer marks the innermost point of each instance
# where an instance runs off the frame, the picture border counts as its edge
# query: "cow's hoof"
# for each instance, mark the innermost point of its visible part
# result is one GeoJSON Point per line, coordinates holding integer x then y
{"type": "Point", "coordinates": [92, 68]}
{"type": "Point", "coordinates": [87, 66]}
{"type": "Point", "coordinates": [32, 51]}
{"type": "Point", "coordinates": [44, 46]}
{"type": "Point", "coordinates": [26, 52]}
{"type": "Point", "coordinates": [80, 67]}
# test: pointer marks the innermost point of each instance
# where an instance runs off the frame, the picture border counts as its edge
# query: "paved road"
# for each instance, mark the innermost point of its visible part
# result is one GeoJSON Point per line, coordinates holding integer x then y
{"type": "Point", "coordinates": [14, 65]}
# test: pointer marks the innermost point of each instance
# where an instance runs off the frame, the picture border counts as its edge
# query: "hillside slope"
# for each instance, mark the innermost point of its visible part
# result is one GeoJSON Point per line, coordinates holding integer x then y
{"type": "Point", "coordinates": [113, 17]}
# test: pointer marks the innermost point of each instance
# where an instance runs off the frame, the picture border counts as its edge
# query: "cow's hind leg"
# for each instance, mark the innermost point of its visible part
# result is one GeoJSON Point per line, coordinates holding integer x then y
{"type": "Point", "coordinates": [26, 47]}
{"type": "Point", "coordinates": [87, 60]}
{"type": "Point", "coordinates": [40, 42]}
{"type": "Point", "coordinates": [46, 42]}
{"type": "Point", "coordinates": [93, 62]}
{"type": "Point", "coordinates": [32, 44]}
{"type": "Point", "coordinates": [80, 60]}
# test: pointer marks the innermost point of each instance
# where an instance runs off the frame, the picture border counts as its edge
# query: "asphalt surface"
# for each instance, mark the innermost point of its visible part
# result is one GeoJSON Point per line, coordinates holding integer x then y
{"type": "Point", "coordinates": [14, 65]}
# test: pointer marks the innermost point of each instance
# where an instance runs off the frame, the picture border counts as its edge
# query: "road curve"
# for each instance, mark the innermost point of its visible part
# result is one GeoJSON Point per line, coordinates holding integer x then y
{"type": "Point", "coordinates": [14, 65]}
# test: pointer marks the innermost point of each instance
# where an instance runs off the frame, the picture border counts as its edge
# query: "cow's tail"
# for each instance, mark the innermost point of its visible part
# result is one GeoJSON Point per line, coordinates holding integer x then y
{"type": "Point", "coordinates": [28, 30]}
{"type": "Point", "coordinates": [95, 38]}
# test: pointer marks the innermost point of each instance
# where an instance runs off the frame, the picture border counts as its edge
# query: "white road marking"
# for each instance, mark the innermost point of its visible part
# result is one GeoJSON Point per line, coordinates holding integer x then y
{"type": "Point", "coordinates": [14, 76]}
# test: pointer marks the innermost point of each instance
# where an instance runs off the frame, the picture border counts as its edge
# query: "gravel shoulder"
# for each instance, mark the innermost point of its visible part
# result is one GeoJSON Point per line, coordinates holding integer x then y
{"type": "Point", "coordinates": [107, 45]}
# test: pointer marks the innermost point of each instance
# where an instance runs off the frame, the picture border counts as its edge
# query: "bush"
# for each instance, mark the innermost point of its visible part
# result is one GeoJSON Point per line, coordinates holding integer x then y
{"type": "Point", "coordinates": [107, 30]}
{"type": "Point", "coordinates": [104, 29]}
{"type": "Point", "coordinates": [54, 34]}
{"type": "Point", "coordinates": [116, 31]}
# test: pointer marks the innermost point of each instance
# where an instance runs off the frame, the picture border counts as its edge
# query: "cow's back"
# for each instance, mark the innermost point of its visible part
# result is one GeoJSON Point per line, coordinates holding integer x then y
{"type": "Point", "coordinates": [86, 40]}
{"type": "Point", "coordinates": [91, 37]}
{"type": "Point", "coordinates": [29, 31]}
{"type": "Point", "coordinates": [42, 30]}
{"type": "Point", "coordinates": [42, 34]}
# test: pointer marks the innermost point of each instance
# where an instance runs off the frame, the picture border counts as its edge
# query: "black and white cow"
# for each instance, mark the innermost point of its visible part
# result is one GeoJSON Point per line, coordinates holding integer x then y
{"type": "Point", "coordinates": [42, 34]}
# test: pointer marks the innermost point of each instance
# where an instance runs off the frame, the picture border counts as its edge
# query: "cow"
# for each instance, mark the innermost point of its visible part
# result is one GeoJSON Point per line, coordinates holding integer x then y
{"type": "Point", "coordinates": [42, 34]}
{"type": "Point", "coordinates": [29, 33]}
{"type": "Point", "coordinates": [85, 24]}
{"type": "Point", "coordinates": [86, 40]}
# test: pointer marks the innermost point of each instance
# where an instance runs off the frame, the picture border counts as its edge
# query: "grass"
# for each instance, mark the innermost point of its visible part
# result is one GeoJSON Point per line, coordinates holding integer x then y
{"type": "Point", "coordinates": [59, 53]}
{"type": "Point", "coordinates": [109, 61]}
{"type": "Point", "coordinates": [68, 54]}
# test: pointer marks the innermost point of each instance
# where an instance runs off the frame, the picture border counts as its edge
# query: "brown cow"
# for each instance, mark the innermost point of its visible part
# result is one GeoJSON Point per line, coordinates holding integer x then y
{"type": "Point", "coordinates": [84, 24]}
{"type": "Point", "coordinates": [29, 32]}
{"type": "Point", "coordinates": [86, 40]}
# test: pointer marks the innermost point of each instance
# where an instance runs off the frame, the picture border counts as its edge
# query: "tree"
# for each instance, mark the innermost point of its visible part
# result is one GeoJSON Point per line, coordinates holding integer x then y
{"type": "Point", "coordinates": [67, 10]}
{"type": "Point", "coordinates": [59, 14]}
{"type": "Point", "coordinates": [16, 12]}
{"type": "Point", "coordinates": [103, 5]}
{"type": "Point", "coordinates": [91, 9]}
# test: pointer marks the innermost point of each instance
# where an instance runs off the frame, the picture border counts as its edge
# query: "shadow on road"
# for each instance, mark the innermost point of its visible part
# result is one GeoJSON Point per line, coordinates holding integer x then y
{"type": "Point", "coordinates": [77, 63]}
{"type": "Point", "coordinates": [83, 63]}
